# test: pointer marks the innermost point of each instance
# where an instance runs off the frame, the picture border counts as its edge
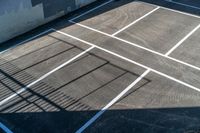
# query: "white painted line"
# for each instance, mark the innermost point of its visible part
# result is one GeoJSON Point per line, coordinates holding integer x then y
{"type": "Point", "coordinates": [138, 46]}
{"type": "Point", "coordinates": [173, 10]}
{"type": "Point", "coordinates": [5, 129]}
{"type": "Point", "coordinates": [137, 20]}
{"type": "Point", "coordinates": [97, 115]}
{"type": "Point", "coordinates": [131, 61]}
{"type": "Point", "coordinates": [91, 10]}
{"type": "Point", "coordinates": [42, 33]}
{"type": "Point", "coordinates": [182, 4]}
{"type": "Point", "coordinates": [44, 76]}
{"type": "Point", "coordinates": [182, 40]}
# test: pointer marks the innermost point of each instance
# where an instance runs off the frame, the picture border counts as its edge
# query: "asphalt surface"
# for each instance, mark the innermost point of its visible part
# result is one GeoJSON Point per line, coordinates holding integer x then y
{"type": "Point", "coordinates": [128, 66]}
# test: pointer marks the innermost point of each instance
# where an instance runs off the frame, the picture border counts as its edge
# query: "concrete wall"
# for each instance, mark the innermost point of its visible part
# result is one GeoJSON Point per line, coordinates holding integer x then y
{"type": "Point", "coordinates": [20, 16]}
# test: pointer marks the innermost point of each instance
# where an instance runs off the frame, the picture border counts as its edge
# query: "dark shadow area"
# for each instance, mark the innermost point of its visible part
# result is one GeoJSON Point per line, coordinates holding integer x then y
{"type": "Point", "coordinates": [165, 120]}
{"type": "Point", "coordinates": [10, 68]}
{"type": "Point", "coordinates": [61, 22]}
{"type": "Point", "coordinates": [42, 97]}
{"type": "Point", "coordinates": [52, 112]}
{"type": "Point", "coordinates": [62, 4]}
{"type": "Point", "coordinates": [10, 7]}
{"type": "Point", "coordinates": [45, 109]}
{"type": "Point", "coordinates": [180, 5]}
{"type": "Point", "coordinates": [10, 79]}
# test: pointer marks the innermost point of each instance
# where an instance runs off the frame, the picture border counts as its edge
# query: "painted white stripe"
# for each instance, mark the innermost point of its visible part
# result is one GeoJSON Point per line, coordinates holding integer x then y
{"type": "Point", "coordinates": [97, 115]}
{"type": "Point", "coordinates": [45, 76]}
{"type": "Point", "coordinates": [94, 118]}
{"type": "Point", "coordinates": [42, 33]}
{"type": "Point", "coordinates": [137, 20]}
{"type": "Point", "coordinates": [131, 61]}
{"type": "Point", "coordinates": [91, 10]}
{"type": "Point", "coordinates": [182, 4]}
{"type": "Point", "coordinates": [138, 46]}
{"type": "Point", "coordinates": [5, 129]}
{"type": "Point", "coordinates": [182, 40]}
{"type": "Point", "coordinates": [173, 10]}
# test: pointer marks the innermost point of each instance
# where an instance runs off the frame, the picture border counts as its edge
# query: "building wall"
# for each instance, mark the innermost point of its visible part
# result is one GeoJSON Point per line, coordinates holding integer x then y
{"type": "Point", "coordinates": [20, 16]}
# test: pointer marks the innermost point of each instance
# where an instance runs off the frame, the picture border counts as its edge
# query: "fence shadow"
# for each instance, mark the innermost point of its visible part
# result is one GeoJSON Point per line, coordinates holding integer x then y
{"type": "Point", "coordinates": [44, 109]}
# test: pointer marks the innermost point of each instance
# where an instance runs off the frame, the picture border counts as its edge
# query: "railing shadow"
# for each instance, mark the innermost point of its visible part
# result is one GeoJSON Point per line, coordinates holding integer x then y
{"type": "Point", "coordinates": [46, 109]}
{"type": "Point", "coordinates": [42, 97]}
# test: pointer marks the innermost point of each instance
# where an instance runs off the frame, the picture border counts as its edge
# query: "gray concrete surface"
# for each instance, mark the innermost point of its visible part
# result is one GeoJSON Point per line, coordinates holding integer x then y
{"type": "Point", "coordinates": [187, 51]}
{"type": "Point", "coordinates": [157, 62]}
{"type": "Point", "coordinates": [65, 100]}
{"type": "Point", "coordinates": [152, 108]}
{"type": "Point", "coordinates": [123, 15]}
{"type": "Point", "coordinates": [157, 32]}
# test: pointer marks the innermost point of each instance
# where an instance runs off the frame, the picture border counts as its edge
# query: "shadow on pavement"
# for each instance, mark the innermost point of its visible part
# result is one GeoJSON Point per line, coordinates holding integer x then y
{"type": "Point", "coordinates": [113, 5]}
{"type": "Point", "coordinates": [173, 120]}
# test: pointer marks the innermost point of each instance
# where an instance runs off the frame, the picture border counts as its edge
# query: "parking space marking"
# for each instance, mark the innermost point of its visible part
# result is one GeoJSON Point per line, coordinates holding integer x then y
{"type": "Point", "coordinates": [112, 53]}
{"type": "Point", "coordinates": [29, 39]}
{"type": "Point", "coordinates": [91, 10]}
{"type": "Point", "coordinates": [131, 61]}
{"type": "Point", "coordinates": [138, 46]}
{"type": "Point", "coordinates": [5, 129]}
{"type": "Point", "coordinates": [45, 76]}
{"type": "Point", "coordinates": [182, 40]}
{"type": "Point", "coordinates": [182, 4]}
{"type": "Point", "coordinates": [134, 22]}
{"type": "Point", "coordinates": [97, 115]}
{"type": "Point", "coordinates": [134, 44]}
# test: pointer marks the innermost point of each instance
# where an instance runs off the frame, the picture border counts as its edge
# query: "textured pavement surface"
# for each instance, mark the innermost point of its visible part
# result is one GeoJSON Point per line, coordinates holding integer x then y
{"type": "Point", "coordinates": [104, 52]}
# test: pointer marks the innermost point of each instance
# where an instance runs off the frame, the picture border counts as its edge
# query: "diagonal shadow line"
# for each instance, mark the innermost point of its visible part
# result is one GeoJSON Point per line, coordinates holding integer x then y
{"type": "Point", "coordinates": [28, 89]}
{"type": "Point", "coordinates": [45, 47]}
{"type": "Point", "coordinates": [34, 52]}
{"type": "Point", "coordinates": [29, 97]}
{"type": "Point", "coordinates": [31, 52]}
{"type": "Point", "coordinates": [74, 101]}
{"type": "Point", "coordinates": [84, 56]}
{"type": "Point", "coordinates": [98, 57]}
{"type": "Point", "coordinates": [69, 64]}
{"type": "Point", "coordinates": [35, 93]}
{"type": "Point", "coordinates": [102, 59]}
{"type": "Point", "coordinates": [19, 95]}
{"type": "Point", "coordinates": [97, 89]}
{"type": "Point", "coordinates": [39, 61]}
{"type": "Point", "coordinates": [133, 91]}
{"type": "Point", "coordinates": [68, 43]}
{"type": "Point", "coordinates": [25, 77]}
{"type": "Point", "coordinates": [68, 83]}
